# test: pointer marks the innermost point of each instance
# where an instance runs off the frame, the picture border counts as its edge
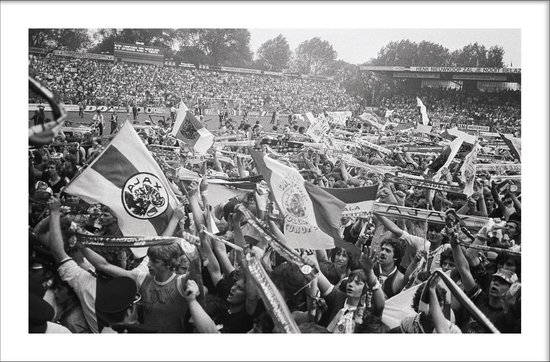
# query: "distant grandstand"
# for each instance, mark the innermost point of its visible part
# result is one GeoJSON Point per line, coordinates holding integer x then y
{"type": "Point", "coordinates": [464, 78]}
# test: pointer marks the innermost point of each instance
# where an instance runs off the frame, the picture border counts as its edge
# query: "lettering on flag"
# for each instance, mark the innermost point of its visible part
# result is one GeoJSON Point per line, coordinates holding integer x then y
{"type": "Point", "coordinates": [318, 128]}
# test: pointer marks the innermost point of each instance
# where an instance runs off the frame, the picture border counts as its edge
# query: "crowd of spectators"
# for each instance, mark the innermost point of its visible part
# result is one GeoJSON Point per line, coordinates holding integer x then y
{"type": "Point", "coordinates": [501, 109]}
{"type": "Point", "coordinates": [95, 82]}
{"type": "Point", "coordinates": [76, 288]}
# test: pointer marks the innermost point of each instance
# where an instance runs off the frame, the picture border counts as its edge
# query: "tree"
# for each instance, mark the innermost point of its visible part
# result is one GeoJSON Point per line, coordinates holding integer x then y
{"type": "Point", "coordinates": [314, 56]}
{"type": "Point", "coordinates": [274, 54]}
{"type": "Point", "coordinates": [61, 39]}
{"type": "Point", "coordinates": [471, 55]}
{"type": "Point", "coordinates": [495, 57]}
{"type": "Point", "coordinates": [431, 55]}
{"type": "Point", "coordinates": [230, 47]}
{"type": "Point", "coordinates": [397, 53]}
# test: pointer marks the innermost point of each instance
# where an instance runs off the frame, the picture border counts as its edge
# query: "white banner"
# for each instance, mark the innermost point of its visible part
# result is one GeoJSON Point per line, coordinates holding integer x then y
{"type": "Point", "coordinates": [339, 117]}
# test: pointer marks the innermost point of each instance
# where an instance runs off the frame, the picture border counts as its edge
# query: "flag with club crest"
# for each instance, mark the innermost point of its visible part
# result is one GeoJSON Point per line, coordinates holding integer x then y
{"type": "Point", "coordinates": [312, 215]}
{"type": "Point", "coordinates": [127, 179]}
{"type": "Point", "coordinates": [190, 130]}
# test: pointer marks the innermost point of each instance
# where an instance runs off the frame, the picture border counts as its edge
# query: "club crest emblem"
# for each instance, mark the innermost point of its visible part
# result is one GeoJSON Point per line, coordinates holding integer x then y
{"type": "Point", "coordinates": [144, 196]}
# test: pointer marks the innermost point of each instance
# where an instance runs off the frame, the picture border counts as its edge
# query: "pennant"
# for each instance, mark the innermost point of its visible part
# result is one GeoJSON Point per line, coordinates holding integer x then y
{"type": "Point", "coordinates": [468, 171]}
{"type": "Point", "coordinates": [423, 113]}
{"type": "Point", "coordinates": [312, 216]}
{"type": "Point", "coordinates": [359, 201]}
{"type": "Point", "coordinates": [190, 130]}
{"type": "Point", "coordinates": [514, 144]}
{"type": "Point", "coordinates": [126, 178]}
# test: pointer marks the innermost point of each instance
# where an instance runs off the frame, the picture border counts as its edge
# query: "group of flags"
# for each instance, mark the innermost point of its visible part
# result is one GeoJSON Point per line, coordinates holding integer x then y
{"type": "Point", "coordinates": [126, 178]}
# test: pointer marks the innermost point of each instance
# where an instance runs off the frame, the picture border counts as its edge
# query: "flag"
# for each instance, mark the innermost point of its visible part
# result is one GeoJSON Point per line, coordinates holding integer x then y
{"type": "Point", "coordinates": [372, 119]}
{"type": "Point", "coordinates": [423, 128]}
{"type": "Point", "coordinates": [513, 143]}
{"type": "Point", "coordinates": [404, 126]}
{"type": "Point", "coordinates": [126, 178]}
{"type": "Point", "coordinates": [190, 130]}
{"type": "Point", "coordinates": [359, 200]}
{"type": "Point", "coordinates": [423, 113]}
{"type": "Point", "coordinates": [312, 215]}
{"type": "Point", "coordinates": [399, 307]}
{"type": "Point", "coordinates": [445, 158]}
{"type": "Point", "coordinates": [454, 132]}
{"type": "Point", "coordinates": [468, 171]}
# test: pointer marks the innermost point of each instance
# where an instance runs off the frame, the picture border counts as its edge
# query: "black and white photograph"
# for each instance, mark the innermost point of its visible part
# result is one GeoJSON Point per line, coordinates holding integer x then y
{"type": "Point", "coordinates": [223, 170]}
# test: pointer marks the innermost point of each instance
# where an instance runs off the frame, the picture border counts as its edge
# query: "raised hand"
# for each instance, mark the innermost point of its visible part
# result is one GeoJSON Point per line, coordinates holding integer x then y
{"type": "Point", "coordinates": [54, 204]}
{"type": "Point", "coordinates": [191, 290]}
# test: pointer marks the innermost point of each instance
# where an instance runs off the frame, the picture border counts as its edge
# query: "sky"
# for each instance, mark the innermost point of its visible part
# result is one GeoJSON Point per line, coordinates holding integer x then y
{"type": "Point", "coordinates": [359, 45]}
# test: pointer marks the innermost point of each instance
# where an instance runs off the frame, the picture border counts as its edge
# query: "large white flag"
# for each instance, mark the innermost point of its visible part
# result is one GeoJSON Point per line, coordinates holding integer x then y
{"type": "Point", "coordinates": [127, 179]}
{"type": "Point", "coordinates": [423, 113]}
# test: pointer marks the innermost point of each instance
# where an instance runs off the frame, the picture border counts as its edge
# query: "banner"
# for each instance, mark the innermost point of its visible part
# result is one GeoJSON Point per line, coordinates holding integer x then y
{"type": "Point", "coordinates": [123, 242]}
{"type": "Point", "coordinates": [375, 147]}
{"type": "Point", "coordinates": [47, 108]}
{"type": "Point", "coordinates": [421, 149]}
{"type": "Point", "coordinates": [468, 171]}
{"type": "Point", "coordinates": [472, 222]}
{"type": "Point", "coordinates": [514, 167]}
{"type": "Point", "coordinates": [424, 183]}
{"type": "Point", "coordinates": [339, 118]}
{"type": "Point", "coordinates": [472, 127]}
{"type": "Point", "coordinates": [271, 297]}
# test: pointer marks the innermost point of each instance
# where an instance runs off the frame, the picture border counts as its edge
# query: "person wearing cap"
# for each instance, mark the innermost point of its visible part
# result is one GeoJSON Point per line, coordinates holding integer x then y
{"type": "Point", "coordinates": [490, 302]}
{"type": "Point", "coordinates": [85, 285]}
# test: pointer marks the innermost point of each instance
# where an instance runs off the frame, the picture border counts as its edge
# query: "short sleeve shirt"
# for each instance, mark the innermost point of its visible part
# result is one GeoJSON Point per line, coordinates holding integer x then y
{"type": "Point", "coordinates": [84, 284]}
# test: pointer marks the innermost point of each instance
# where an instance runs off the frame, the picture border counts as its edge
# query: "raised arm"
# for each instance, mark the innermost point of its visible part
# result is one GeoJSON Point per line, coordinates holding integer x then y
{"type": "Point", "coordinates": [103, 265]}
{"type": "Point", "coordinates": [461, 262]}
{"type": "Point", "coordinates": [440, 323]}
{"type": "Point", "coordinates": [202, 321]}
{"type": "Point", "coordinates": [56, 238]}
{"type": "Point", "coordinates": [367, 262]}
{"type": "Point", "coordinates": [177, 215]}
{"type": "Point", "coordinates": [390, 225]}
